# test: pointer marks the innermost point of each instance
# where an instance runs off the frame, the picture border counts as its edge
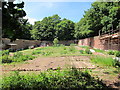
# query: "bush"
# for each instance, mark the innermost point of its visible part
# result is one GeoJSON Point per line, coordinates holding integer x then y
{"type": "Point", "coordinates": [5, 52]}
{"type": "Point", "coordinates": [18, 57]}
{"type": "Point", "coordinates": [117, 54]}
{"type": "Point", "coordinates": [81, 51]}
{"type": "Point", "coordinates": [87, 51]}
{"type": "Point", "coordinates": [6, 59]}
{"type": "Point", "coordinates": [55, 42]}
{"type": "Point", "coordinates": [53, 80]}
{"type": "Point", "coordinates": [110, 52]}
{"type": "Point", "coordinates": [117, 63]}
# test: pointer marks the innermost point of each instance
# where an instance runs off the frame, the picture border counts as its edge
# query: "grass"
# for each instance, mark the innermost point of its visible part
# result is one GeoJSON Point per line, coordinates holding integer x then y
{"type": "Point", "coordinates": [102, 60]}
{"type": "Point", "coordinates": [53, 51]}
{"type": "Point", "coordinates": [52, 80]}
{"type": "Point", "coordinates": [99, 50]}
{"type": "Point", "coordinates": [86, 47]}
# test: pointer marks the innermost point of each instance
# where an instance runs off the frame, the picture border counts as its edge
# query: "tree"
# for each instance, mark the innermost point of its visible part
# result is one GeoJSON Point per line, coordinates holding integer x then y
{"type": "Point", "coordinates": [101, 16]}
{"type": "Point", "coordinates": [12, 21]}
{"type": "Point", "coordinates": [65, 30]}
{"type": "Point", "coordinates": [45, 29]}
{"type": "Point", "coordinates": [53, 27]}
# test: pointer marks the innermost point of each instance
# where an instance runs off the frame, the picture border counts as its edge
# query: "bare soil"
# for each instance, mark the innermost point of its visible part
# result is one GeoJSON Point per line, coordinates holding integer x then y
{"type": "Point", "coordinates": [80, 62]}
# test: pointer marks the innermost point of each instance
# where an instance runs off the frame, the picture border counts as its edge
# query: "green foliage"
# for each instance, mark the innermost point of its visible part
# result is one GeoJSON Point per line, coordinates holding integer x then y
{"type": "Point", "coordinates": [90, 24]}
{"type": "Point", "coordinates": [5, 56]}
{"type": "Point", "coordinates": [60, 50]}
{"type": "Point", "coordinates": [88, 51]}
{"type": "Point", "coordinates": [72, 49]}
{"type": "Point", "coordinates": [81, 51]}
{"type": "Point", "coordinates": [110, 52]}
{"type": "Point", "coordinates": [6, 59]}
{"type": "Point", "coordinates": [105, 61]}
{"type": "Point", "coordinates": [86, 47]}
{"type": "Point", "coordinates": [52, 80]}
{"type": "Point", "coordinates": [18, 57]}
{"type": "Point", "coordinates": [117, 63]}
{"type": "Point", "coordinates": [12, 21]}
{"type": "Point", "coordinates": [36, 52]}
{"type": "Point", "coordinates": [48, 53]}
{"type": "Point", "coordinates": [117, 54]}
{"type": "Point", "coordinates": [51, 27]}
{"type": "Point", "coordinates": [55, 42]}
{"type": "Point", "coordinates": [5, 52]}
{"type": "Point", "coordinates": [72, 44]}
{"type": "Point", "coordinates": [99, 50]}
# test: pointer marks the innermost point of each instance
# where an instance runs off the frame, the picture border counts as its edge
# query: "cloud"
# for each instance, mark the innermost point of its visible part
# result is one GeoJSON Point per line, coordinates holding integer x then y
{"type": "Point", "coordinates": [30, 20]}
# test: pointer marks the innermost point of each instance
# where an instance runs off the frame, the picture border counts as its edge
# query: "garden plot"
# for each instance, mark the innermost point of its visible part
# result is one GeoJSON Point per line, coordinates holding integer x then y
{"type": "Point", "coordinates": [45, 63]}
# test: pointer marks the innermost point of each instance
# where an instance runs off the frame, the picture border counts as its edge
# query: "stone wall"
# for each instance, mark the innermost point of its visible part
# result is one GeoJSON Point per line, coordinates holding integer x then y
{"type": "Point", "coordinates": [21, 43]}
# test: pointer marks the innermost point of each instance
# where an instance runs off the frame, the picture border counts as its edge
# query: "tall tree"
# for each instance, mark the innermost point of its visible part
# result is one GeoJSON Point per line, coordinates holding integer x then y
{"type": "Point", "coordinates": [12, 19]}
{"type": "Point", "coordinates": [65, 30]}
{"type": "Point", "coordinates": [101, 16]}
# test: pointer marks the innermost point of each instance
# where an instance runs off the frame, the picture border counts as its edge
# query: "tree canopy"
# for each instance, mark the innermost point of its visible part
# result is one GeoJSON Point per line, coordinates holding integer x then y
{"type": "Point", "coordinates": [12, 20]}
{"type": "Point", "coordinates": [53, 27]}
{"type": "Point", "coordinates": [101, 16]}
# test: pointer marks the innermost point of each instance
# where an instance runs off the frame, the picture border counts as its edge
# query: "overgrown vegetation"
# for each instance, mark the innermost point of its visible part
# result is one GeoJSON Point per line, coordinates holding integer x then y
{"type": "Point", "coordinates": [104, 61]}
{"type": "Point", "coordinates": [55, 80]}
{"type": "Point", "coordinates": [112, 52]}
{"type": "Point", "coordinates": [17, 57]}
{"type": "Point", "coordinates": [99, 50]}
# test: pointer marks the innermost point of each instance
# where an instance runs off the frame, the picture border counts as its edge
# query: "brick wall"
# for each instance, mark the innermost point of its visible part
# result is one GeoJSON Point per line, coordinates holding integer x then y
{"type": "Point", "coordinates": [95, 42]}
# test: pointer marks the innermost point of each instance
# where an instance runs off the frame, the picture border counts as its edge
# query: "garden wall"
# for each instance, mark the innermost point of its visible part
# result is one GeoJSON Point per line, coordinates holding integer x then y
{"type": "Point", "coordinates": [95, 42]}
{"type": "Point", "coordinates": [22, 44]}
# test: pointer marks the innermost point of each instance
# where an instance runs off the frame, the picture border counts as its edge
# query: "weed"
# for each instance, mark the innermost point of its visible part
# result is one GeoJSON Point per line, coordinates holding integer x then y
{"type": "Point", "coordinates": [81, 51]}
{"type": "Point", "coordinates": [117, 54]}
{"type": "Point", "coordinates": [105, 61]}
{"type": "Point", "coordinates": [52, 80]}
{"type": "Point", "coordinates": [87, 51]}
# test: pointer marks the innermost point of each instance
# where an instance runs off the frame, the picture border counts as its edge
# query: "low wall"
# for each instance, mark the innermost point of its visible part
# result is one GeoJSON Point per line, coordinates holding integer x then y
{"type": "Point", "coordinates": [95, 42]}
{"type": "Point", "coordinates": [21, 43]}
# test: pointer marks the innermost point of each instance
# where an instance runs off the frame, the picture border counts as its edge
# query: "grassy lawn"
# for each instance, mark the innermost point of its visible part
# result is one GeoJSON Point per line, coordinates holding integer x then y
{"type": "Point", "coordinates": [52, 51]}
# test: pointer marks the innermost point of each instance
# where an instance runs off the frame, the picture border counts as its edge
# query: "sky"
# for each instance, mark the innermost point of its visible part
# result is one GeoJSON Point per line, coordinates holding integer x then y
{"type": "Point", "coordinates": [74, 11]}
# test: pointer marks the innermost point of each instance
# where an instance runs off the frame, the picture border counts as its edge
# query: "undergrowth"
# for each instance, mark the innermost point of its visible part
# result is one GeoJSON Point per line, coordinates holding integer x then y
{"type": "Point", "coordinates": [68, 79]}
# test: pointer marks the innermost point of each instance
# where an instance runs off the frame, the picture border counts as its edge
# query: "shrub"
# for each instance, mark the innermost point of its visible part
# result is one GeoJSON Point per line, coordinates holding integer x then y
{"type": "Point", "coordinates": [5, 52]}
{"type": "Point", "coordinates": [6, 59]}
{"type": "Point", "coordinates": [117, 54]}
{"type": "Point", "coordinates": [117, 63]}
{"type": "Point", "coordinates": [53, 80]}
{"type": "Point", "coordinates": [81, 51]}
{"type": "Point", "coordinates": [87, 51]}
{"type": "Point", "coordinates": [18, 57]}
{"type": "Point", "coordinates": [55, 42]}
{"type": "Point", "coordinates": [110, 52]}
